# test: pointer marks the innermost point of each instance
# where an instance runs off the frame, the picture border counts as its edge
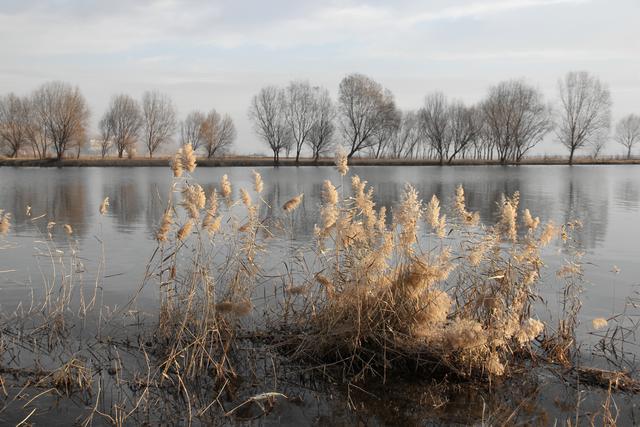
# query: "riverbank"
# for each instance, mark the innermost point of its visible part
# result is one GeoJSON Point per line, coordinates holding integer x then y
{"type": "Point", "coordinates": [246, 161]}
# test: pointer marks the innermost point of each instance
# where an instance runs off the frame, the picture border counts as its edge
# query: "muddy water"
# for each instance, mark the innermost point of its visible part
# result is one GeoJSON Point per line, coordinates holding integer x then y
{"type": "Point", "coordinates": [605, 198]}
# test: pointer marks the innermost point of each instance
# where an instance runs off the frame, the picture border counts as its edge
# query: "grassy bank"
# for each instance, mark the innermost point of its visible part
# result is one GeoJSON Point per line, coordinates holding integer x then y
{"type": "Point", "coordinates": [252, 161]}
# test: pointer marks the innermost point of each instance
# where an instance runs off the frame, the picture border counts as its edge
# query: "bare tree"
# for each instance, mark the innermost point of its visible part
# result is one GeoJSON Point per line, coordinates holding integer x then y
{"type": "Point", "coordinates": [405, 136]}
{"type": "Point", "coordinates": [266, 113]}
{"type": "Point", "coordinates": [78, 141]}
{"type": "Point", "coordinates": [300, 113]}
{"type": "Point", "coordinates": [106, 142]}
{"type": "Point", "coordinates": [159, 117]}
{"type": "Point", "coordinates": [435, 124]}
{"type": "Point", "coordinates": [14, 123]}
{"type": "Point", "coordinates": [124, 122]}
{"type": "Point", "coordinates": [62, 113]}
{"type": "Point", "coordinates": [628, 132]}
{"type": "Point", "coordinates": [597, 145]}
{"type": "Point", "coordinates": [364, 107]}
{"type": "Point", "coordinates": [191, 129]}
{"type": "Point", "coordinates": [585, 111]}
{"type": "Point", "coordinates": [465, 127]}
{"type": "Point", "coordinates": [321, 133]}
{"type": "Point", "coordinates": [386, 133]}
{"type": "Point", "coordinates": [217, 133]}
{"type": "Point", "coordinates": [516, 119]}
{"type": "Point", "coordinates": [36, 134]}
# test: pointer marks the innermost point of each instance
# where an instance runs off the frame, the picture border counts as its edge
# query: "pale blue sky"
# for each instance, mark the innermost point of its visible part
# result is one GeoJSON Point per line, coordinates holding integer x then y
{"type": "Point", "coordinates": [219, 53]}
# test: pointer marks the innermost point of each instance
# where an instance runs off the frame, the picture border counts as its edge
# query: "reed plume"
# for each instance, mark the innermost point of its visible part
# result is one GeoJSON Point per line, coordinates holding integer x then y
{"type": "Point", "coordinates": [599, 323]}
{"type": "Point", "coordinates": [185, 230]}
{"type": "Point", "coordinates": [225, 187]}
{"type": "Point", "coordinates": [165, 226]}
{"type": "Point", "coordinates": [293, 203]}
{"type": "Point", "coordinates": [193, 199]}
{"type": "Point", "coordinates": [176, 164]}
{"type": "Point", "coordinates": [5, 222]}
{"type": "Point", "coordinates": [188, 158]}
{"type": "Point", "coordinates": [258, 185]}
{"type": "Point", "coordinates": [342, 161]}
{"type": "Point", "coordinates": [104, 206]}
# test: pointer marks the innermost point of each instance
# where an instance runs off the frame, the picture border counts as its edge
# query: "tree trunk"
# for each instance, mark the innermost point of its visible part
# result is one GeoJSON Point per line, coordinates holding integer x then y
{"type": "Point", "coordinates": [571, 155]}
{"type": "Point", "coordinates": [629, 153]}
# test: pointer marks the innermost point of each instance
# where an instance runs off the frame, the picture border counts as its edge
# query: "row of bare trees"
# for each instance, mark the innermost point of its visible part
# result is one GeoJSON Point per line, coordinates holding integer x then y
{"type": "Point", "coordinates": [504, 126]}
{"type": "Point", "coordinates": [511, 120]}
{"type": "Point", "coordinates": [154, 123]}
{"type": "Point", "coordinates": [212, 133]}
{"type": "Point", "coordinates": [55, 118]}
{"type": "Point", "coordinates": [293, 117]}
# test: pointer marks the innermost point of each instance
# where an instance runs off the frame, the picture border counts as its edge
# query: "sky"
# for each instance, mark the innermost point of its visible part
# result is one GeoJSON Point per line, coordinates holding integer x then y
{"type": "Point", "coordinates": [217, 54]}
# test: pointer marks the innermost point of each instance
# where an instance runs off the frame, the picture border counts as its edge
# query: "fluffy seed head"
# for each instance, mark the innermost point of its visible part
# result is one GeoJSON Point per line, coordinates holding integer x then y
{"type": "Point", "coordinates": [245, 197]}
{"type": "Point", "coordinates": [342, 161]}
{"type": "Point", "coordinates": [165, 226]}
{"type": "Point", "coordinates": [188, 158]}
{"type": "Point", "coordinates": [68, 229]}
{"type": "Point", "coordinates": [469, 218]}
{"type": "Point", "coordinates": [185, 230]}
{"type": "Point", "coordinates": [211, 224]}
{"type": "Point", "coordinates": [599, 323]}
{"type": "Point", "coordinates": [529, 221]}
{"type": "Point", "coordinates": [258, 185]}
{"type": "Point", "coordinates": [548, 233]}
{"type": "Point", "coordinates": [104, 206]}
{"type": "Point", "coordinates": [292, 204]}
{"type": "Point", "coordinates": [329, 193]}
{"type": "Point", "coordinates": [193, 199]}
{"type": "Point", "coordinates": [529, 330]}
{"type": "Point", "coordinates": [5, 222]}
{"type": "Point", "coordinates": [432, 215]}
{"type": "Point", "coordinates": [176, 164]}
{"type": "Point", "coordinates": [225, 187]}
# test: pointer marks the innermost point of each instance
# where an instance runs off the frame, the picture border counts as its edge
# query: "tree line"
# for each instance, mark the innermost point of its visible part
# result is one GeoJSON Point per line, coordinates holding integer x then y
{"type": "Point", "coordinates": [504, 126]}
{"type": "Point", "coordinates": [54, 119]}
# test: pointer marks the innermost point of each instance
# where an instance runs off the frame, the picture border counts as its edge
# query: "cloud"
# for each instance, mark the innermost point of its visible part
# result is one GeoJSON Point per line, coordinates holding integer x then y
{"type": "Point", "coordinates": [479, 9]}
{"type": "Point", "coordinates": [74, 27]}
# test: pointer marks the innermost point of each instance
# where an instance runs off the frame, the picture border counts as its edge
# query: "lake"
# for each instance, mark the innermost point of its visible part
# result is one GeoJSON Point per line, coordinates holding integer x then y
{"type": "Point", "coordinates": [606, 199]}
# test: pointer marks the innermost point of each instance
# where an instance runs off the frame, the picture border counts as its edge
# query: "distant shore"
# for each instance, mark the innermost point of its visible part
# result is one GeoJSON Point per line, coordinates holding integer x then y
{"type": "Point", "coordinates": [247, 161]}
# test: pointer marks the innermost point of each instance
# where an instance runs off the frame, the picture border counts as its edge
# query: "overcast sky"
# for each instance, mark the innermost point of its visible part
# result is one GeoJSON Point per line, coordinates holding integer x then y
{"type": "Point", "coordinates": [217, 54]}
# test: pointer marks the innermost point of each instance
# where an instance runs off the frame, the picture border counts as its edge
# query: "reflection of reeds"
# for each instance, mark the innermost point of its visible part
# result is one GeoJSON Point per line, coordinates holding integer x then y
{"type": "Point", "coordinates": [5, 222]}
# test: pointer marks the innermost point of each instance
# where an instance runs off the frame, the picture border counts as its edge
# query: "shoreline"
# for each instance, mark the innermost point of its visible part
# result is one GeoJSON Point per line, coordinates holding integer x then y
{"type": "Point", "coordinates": [267, 161]}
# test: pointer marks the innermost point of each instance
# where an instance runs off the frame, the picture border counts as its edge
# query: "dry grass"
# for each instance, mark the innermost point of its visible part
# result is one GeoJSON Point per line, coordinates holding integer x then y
{"type": "Point", "coordinates": [457, 296]}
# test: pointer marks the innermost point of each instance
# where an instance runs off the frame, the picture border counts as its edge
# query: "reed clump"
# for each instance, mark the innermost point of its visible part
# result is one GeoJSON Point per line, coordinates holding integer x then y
{"type": "Point", "coordinates": [422, 290]}
{"type": "Point", "coordinates": [206, 268]}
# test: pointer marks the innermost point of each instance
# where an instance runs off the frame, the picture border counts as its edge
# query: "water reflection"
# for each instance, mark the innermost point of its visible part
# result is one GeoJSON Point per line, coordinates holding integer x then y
{"type": "Point", "coordinates": [138, 198]}
{"type": "Point", "coordinates": [587, 201]}
{"type": "Point", "coordinates": [627, 195]}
